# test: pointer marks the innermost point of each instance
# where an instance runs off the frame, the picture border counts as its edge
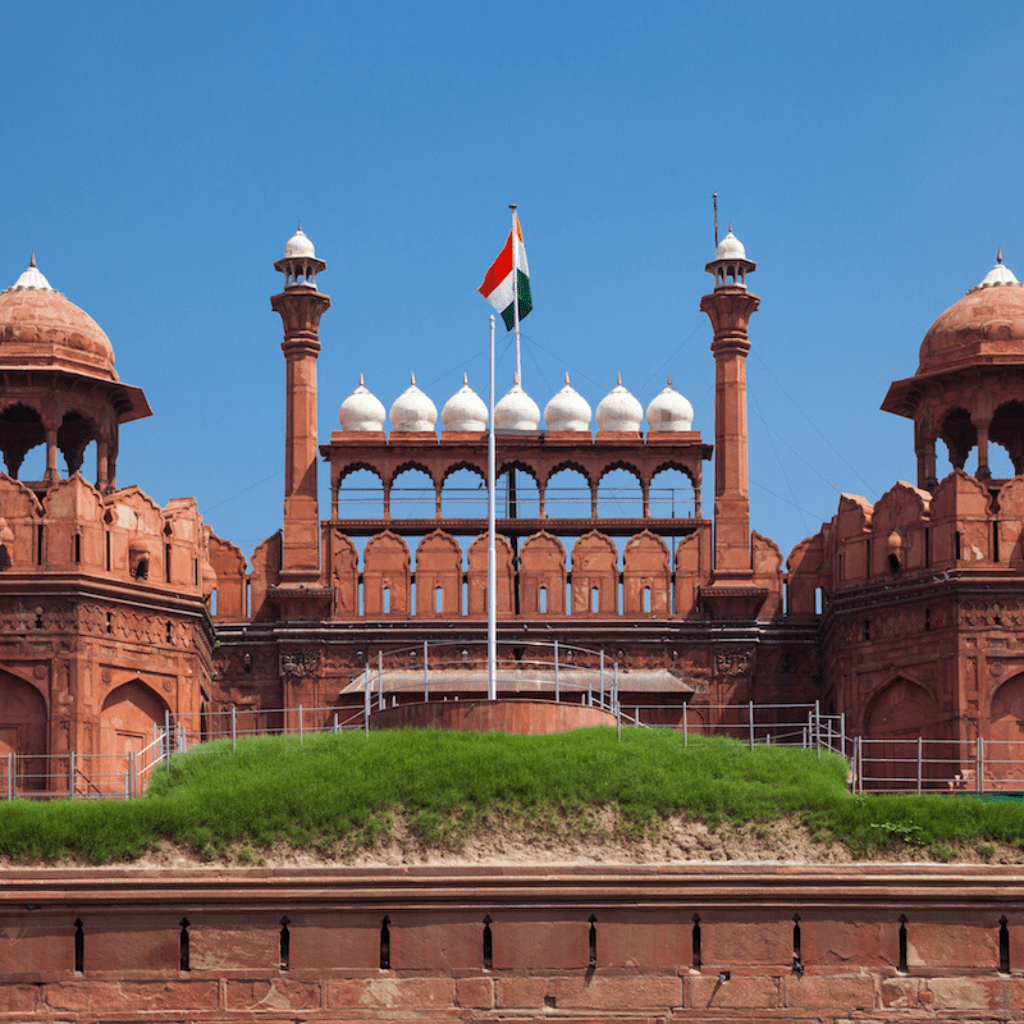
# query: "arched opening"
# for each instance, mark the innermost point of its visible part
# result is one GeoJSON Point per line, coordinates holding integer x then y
{"type": "Point", "coordinates": [898, 715]}
{"type": "Point", "coordinates": [516, 494]}
{"type": "Point", "coordinates": [464, 495]}
{"type": "Point", "coordinates": [671, 495]}
{"type": "Point", "coordinates": [960, 437]}
{"type": "Point", "coordinates": [1006, 434]}
{"type": "Point", "coordinates": [73, 437]}
{"type": "Point", "coordinates": [23, 732]}
{"type": "Point", "coordinates": [361, 495]}
{"type": "Point", "coordinates": [619, 495]}
{"type": "Point", "coordinates": [413, 496]}
{"type": "Point", "coordinates": [567, 495]}
{"type": "Point", "coordinates": [1005, 752]}
{"type": "Point", "coordinates": [126, 726]}
{"type": "Point", "coordinates": [21, 432]}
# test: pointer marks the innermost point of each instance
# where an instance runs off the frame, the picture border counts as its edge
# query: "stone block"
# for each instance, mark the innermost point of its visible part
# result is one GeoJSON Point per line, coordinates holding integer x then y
{"type": "Point", "coordinates": [391, 993]}
{"type": "Point", "coordinates": [30, 945]}
{"type": "Point", "coordinates": [230, 942]}
{"type": "Point", "coordinates": [757, 939]}
{"type": "Point", "coordinates": [902, 993]}
{"type": "Point", "coordinates": [19, 998]}
{"type": "Point", "coordinates": [760, 993]}
{"type": "Point", "coordinates": [428, 942]}
{"type": "Point", "coordinates": [615, 992]}
{"type": "Point", "coordinates": [972, 994]}
{"type": "Point", "coordinates": [527, 941]}
{"type": "Point", "coordinates": [103, 997]}
{"type": "Point", "coordinates": [822, 993]}
{"type": "Point", "coordinates": [647, 940]}
{"type": "Point", "coordinates": [842, 939]}
{"type": "Point", "coordinates": [133, 943]}
{"type": "Point", "coordinates": [475, 992]}
{"type": "Point", "coordinates": [515, 993]}
{"type": "Point", "coordinates": [935, 941]}
{"type": "Point", "coordinates": [326, 942]}
{"type": "Point", "coordinates": [276, 994]}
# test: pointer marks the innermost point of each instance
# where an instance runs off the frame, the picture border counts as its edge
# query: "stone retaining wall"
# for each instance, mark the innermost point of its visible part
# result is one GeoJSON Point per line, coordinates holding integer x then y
{"type": "Point", "coordinates": [680, 942]}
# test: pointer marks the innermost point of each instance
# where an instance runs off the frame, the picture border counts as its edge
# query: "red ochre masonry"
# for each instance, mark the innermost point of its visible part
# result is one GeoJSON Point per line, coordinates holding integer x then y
{"type": "Point", "coordinates": [529, 717]}
{"type": "Point", "coordinates": [849, 918]}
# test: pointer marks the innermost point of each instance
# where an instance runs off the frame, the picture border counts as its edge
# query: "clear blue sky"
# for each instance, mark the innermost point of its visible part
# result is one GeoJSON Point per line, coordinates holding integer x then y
{"type": "Point", "coordinates": [157, 157]}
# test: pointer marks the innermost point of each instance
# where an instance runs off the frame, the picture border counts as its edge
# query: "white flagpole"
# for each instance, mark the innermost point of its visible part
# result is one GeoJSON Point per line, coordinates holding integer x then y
{"type": "Point", "coordinates": [515, 288]}
{"type": "Point", "coordinates": [492, 589]}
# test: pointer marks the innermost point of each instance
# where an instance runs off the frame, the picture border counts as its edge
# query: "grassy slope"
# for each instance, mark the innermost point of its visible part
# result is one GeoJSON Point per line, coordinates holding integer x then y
{"type": "Point", "coordinates": [342, 788]}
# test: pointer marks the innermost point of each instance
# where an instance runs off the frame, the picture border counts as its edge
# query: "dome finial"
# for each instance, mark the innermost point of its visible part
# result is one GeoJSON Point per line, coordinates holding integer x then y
{"type": "Point", "coordinates": [412, 379]}
{"type": "Point", "coordinates": [300, 225]}
{"type": "Point", "coordinates": [32, 260]}
{"type": "Point", "coordinates": [670, 380]}
{"type": "Point", "coordinates": [618, 380]}
{"type": "Point", "coordinates": [465, 380]}
{"type": "Point", "coordinates": [999, 255]}
{"type": "Point", "coordinates": [566, 376]}
{"type": "Point", "coordinates": [361, 382]}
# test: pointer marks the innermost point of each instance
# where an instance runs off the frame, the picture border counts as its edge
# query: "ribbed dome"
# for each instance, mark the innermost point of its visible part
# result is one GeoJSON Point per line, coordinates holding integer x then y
{"type": "Point", "coordinates": [299, 245]}
{"type": "Point", "coordinates": [516, 411]}
{"type": "Point", "coordinates": [413, 411]}
{"type": "Point", "coordinates": [619, 411]}
{"type": "Point", "coordinates": [362, 410]}
{"type": "Point", "coordinates": [669, 411]}
{"type": "Point", "coordinates": [985, 326]}
{"type": "Point", "coordinates": [40, 328]}
{"type": "Point", "coordinates": [465, 410]}
{"type": "Point", "coordinates": [568, 410]}
{"type": "Point", "coordinates": [730, 248]}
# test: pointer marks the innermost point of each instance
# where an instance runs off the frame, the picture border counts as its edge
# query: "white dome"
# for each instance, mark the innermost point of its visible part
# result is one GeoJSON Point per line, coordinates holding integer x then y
{"type": "Point", "coordinates": [619, 411]}
{"type": "Point", "coordinates": [32, 279]}
{"type": "Point", "coordinates": [299, 245]}
{"type": "Point", "coordinates": [999, 274]}
{"type": "Point", "coordinates": [516, 411]}
{"type": "Point", "coordinates": [669, 411]}
{"type": "Point", "coordinates": [412, 411]}
{"type": "Point", "coordinates": [568, 410]}
{"type": "Point", "coordinates": [362, 410]}
{"type": "Point", "coordinates": [730, 248]}
{"type": "Point", "coordinates": [465, 410]}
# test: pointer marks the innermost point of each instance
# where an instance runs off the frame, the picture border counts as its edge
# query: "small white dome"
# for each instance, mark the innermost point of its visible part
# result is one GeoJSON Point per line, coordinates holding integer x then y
{"type": "Point", "coordinates": [413, 411]}
{"type": "Point", "coordinates": [32, 279]}
{"type": "Point", "coordinates": [516, 411]}
{"type": "Point", "coordinates": [568, 410]}
{"type": "Point", "coordinates": [299, 245]}
{"type": "Point", "coordinates": [465, 410]}
{"type": "Point", "coordinates": [362, 410]}
{"type": "Point", "coordinates": [619, 411]}
{"type": "Point", "coordinates": [669, 411]}
{"type": "Point", "coordinates": [730, 248]}
{"type": "Point", "coordinates": [999, 274]}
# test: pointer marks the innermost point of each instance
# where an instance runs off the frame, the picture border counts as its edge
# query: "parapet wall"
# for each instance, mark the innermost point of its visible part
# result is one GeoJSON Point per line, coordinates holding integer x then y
{"type": "Point", "coordinates": [681, 942]}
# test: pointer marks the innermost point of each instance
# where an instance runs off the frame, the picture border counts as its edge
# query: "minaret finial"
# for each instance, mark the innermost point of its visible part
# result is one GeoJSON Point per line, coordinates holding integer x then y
{"type": "Point", "coordinates": [670, 380]}
{"type": "Point", "coordinates": [32, 260]}
{"type": "Point", "coordinates": [361, 384]}
{"type": "Point", "coordinates": [999, 255]}
{"type": "Point", "coordinates": [566, 378]}
{"type": "Point", "coordinates": [300, 225]}
{"type": "Point", "coordinates": [618, 380]}
{"type": "Point", "coordinates": [714, 199]}
{"type": "Point", "coordinates": [412, 379]}
{"type": "Point", "coordinates": [465, 380]}
{"type": "Point", "coordinates": [730, 227]}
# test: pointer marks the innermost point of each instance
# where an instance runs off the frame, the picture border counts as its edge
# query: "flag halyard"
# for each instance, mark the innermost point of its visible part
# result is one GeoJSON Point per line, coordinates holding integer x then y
{"type": "Point", "coordinates": [510, 266]}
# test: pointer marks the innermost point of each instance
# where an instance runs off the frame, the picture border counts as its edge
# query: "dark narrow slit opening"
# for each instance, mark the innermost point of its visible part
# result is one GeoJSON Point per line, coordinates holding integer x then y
{"type": "Point", "coordinates": [285, 945]}
{"type": "Point", "coordinates": [385, 945]}
{"type": "Point", "coordinates": [79, 947]}
{"type": "Point", "coordinates": [488, 945]}
{"type": "Point", "coordinates": [593, 942]}
{"type": "Point", "coordinates": [1004, 947]}
{"type": "Point", "coordinates": [39, 545]}
{"type": "Point", "coordinates": [696, 941]}
{"type": "Point", "coordinates": [78, 547]}
{"type": "Point", "coordinates": [183, 943]}
{"type": "Point", "coordinates": [798, 965]}
{"type": "Point", "coordinates": [903, 944]}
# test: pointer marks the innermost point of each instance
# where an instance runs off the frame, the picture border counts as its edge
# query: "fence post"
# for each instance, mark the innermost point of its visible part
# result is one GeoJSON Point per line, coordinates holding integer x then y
{"type": "Point", "coordinates": [751, 714]}
{"type": "Point", "coordinates": [300, 724]}
{"type": "Point", "coordinates": [979, 767]}
{"type": "Point", "coordinates": [685, 741]}
{"type": "Point", "coordinates": [381, 705]}
{"type": "Point", "coordinates": [920, 752]}
{"type": "Point", "coordinates": [11, 768]}
{"type": "Point", "coordinates": [335, 721]}
{"type": "Point", "coordinates": [426, 678]}
{"type": "Point", "coordinates": [133, 767]}
{"type": "Point", "coordinates": [556, 672]}
{"type": "Point", "coordinates": [842, 732]}
{"type": "Point", "coordinates": [858, 766]}
{"type": "Point", "coordinates": [615, 684]}
{"type": "Point", "coordinates": [167, 738]}
{"type": "Point", "coordinates": [618, 720]}
{"type": "Point", "coordinates": [601, 677]}
{"type": "Point", "coordinates": [71, 774]}
{"type": "Point", "coordinates": [590, 693]}
{"type": "Point", "coordinates": [234, 730]}
{"type": "Point", "coordinates": [817, 726]}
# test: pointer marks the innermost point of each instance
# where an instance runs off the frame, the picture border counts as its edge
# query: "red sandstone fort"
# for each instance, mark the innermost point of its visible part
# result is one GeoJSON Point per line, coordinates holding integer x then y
{"type": "Point", "coordinates": [119, 617]}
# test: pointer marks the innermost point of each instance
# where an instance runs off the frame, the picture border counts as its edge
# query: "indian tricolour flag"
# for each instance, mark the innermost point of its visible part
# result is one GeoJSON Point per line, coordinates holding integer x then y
{"type": "Point", "coordinates": [510, 266]}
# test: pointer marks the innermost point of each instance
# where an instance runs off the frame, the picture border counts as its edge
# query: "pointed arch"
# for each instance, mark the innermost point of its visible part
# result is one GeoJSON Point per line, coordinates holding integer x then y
{"type": "Point", "coordinates": [646, 576]}
{"type": "Point", "coordinates": [23, 730]}
{"type": "Point", "coordinates": [127, 717]}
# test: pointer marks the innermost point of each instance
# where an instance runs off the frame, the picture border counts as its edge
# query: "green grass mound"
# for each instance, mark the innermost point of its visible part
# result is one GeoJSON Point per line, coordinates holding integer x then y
{"type": "Point", "coordinates": [342, 792]}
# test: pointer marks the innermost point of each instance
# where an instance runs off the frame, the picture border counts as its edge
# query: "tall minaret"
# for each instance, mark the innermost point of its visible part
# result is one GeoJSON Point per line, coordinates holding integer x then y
{"type": "Point", "coordinates": [729, 307]}
{"type": "Point", "coordinates": [300, 306]}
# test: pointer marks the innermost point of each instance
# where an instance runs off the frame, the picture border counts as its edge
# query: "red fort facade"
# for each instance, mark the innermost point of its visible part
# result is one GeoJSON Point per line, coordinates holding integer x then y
{"type": "Point", "coordinates": [117, 615]}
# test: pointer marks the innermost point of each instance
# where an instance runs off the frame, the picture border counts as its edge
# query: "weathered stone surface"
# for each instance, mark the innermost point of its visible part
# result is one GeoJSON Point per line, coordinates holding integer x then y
{"type": "Point", "coordinates": [391, 993]}
{"type": "Point", "coordinates": [824, 993]}
{"type": "Point", "coordinates": [736, 993]}
{"type": "Point", "coordinates": [274, 994]}
{"type": "Point", "coordinates": [612, 992]}
{"type": "Point", "coordinates": [475, 992]}
{"type": "Point", "coordinates": [93, 997]}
